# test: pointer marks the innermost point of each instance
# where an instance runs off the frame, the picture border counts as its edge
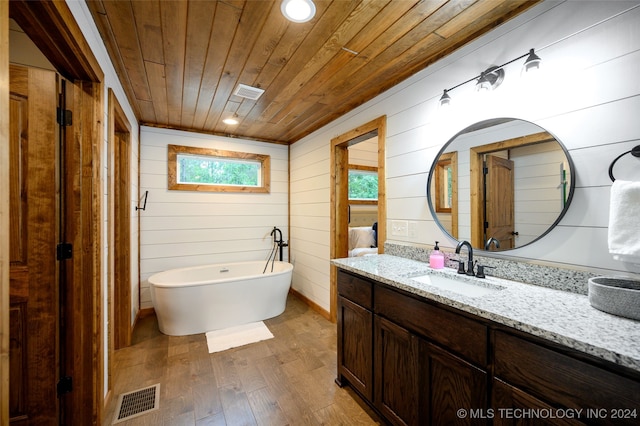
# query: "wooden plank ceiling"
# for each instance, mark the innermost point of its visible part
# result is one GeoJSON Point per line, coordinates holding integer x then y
{"type": "Point", "coordinates": [180, 61]}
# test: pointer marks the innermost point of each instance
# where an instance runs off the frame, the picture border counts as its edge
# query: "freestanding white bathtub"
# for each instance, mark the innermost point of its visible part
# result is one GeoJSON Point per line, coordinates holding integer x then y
{"type": "Point", "coordinates": [204, 298]}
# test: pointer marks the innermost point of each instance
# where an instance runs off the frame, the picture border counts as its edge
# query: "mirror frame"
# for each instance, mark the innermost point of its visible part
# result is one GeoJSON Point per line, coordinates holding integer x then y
{"type": "Point", "coordinates": [474, 215]}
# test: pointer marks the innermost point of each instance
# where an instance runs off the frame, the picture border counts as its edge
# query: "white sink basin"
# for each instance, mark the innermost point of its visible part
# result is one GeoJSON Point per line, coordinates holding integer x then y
{"type": "Point", "coordinates": [458, 286]}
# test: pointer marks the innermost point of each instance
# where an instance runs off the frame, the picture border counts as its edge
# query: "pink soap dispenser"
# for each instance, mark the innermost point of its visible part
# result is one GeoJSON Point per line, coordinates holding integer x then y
{"type": "Point", "coordinates": [436, 259]}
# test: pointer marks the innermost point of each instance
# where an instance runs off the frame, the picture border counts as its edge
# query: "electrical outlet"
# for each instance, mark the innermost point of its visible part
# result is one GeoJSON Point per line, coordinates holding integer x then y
{"type": "Point", "coordinates": [400, 228]}
{"type": "Point", "coordinates": [412, 229]}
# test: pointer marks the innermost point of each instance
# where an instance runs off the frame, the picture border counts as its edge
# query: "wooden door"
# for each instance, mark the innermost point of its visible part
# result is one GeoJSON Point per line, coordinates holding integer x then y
{"type": "Point", "coordinates": [33, 290]}
{"type": "Point", "coordinates": [499, 201]}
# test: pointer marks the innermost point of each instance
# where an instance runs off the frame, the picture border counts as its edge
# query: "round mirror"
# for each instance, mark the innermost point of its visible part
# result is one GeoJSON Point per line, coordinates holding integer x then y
{"type": "Point", "coordinates": [500, 184]}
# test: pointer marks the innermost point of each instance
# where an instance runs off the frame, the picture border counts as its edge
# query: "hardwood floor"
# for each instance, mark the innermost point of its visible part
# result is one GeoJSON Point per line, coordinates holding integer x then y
{"type": "Point", "coordinates": [287, 380]}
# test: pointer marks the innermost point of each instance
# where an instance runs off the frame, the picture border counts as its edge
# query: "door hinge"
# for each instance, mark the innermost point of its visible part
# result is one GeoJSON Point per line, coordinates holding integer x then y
{"type": "Point", "coordinates": [65, 385]}
{"type": "Point", "coordinates": [64, 117]}
{"type": "Point", "coordinates": [486, 225]}
{"type": "Point", "coordinates": [64, 251]}
{"type": "Point", "coordinates": [485, 170]}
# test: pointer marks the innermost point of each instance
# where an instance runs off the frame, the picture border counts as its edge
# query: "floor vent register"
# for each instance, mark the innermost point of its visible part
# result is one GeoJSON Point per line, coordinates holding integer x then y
{"type": "Point", "coordinates": [137, 403]}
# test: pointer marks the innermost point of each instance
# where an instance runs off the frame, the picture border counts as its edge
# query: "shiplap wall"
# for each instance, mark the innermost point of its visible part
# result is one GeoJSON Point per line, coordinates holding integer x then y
{"type": "Point", "coordinates": [364, 153]}
{"type": "Point", "coordinates": [190, 228]}
{"type": "Point", "coordinates": [538, 189]}
{"type": "Point", "coordinates": [587, 95]}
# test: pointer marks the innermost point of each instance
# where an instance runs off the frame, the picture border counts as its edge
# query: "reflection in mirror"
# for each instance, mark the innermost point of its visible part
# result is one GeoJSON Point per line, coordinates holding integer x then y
{"type": "Point", "coordinates": [500, 184]}
{"type": "Point", "coordinates": [445, 190]}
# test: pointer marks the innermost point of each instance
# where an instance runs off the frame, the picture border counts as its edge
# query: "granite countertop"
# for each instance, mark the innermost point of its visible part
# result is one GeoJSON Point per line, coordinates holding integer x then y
{"type": "Point", "coordinates": [558, 316]}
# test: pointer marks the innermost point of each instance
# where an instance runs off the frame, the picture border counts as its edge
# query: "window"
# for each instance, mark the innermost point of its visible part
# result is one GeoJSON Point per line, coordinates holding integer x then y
{"type": "Point", "coordinates": [202, 169]}
{"type": "Point", "coordinates": [363, 183]}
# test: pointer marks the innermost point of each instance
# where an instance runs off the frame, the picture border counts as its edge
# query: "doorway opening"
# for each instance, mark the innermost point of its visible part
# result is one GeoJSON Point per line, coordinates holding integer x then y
{"type": "Point", "coordinates": [339, 235]}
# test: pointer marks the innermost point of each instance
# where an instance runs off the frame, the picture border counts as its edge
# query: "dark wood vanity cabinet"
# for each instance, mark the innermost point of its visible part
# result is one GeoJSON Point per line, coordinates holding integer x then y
{"type": "Point", "coordinates": [417, 362]}
{"type": "Point", "coordinates": [414, 381]}
{"type": "Point", "coordinates": [527, 373]}
{"type": "Point", "coordinates": [506, 397]}
{"type": "Point", "coordinates": [355, 334]}
{"type": "Point", "coordinates": [455, 384]}
{"type": "Point", "coordinates": [398, 376]}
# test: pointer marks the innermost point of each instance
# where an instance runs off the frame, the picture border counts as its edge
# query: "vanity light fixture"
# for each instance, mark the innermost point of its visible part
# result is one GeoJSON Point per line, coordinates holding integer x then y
{"type": "Point", "coordinates": [445, 99]}
{"type": "Point", "coordinates": [490, 79]}
{"type": "Point", "coordinates": [298, 10]}
{"type": "Point", "coordinates": [532, 61]}
{"type": "Point", "coordinates": [493, 76]}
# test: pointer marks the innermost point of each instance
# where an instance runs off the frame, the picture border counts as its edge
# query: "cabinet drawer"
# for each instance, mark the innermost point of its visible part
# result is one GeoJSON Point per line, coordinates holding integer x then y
{"type": "Point", "coordinates": [456, 332]}
{"type": "Point", "coordinates": [561, 379]}
{"type": "Point", "coordinates": [355, 288]}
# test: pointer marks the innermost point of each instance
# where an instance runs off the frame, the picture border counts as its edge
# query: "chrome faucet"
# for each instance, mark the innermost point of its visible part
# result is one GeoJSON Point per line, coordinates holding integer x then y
{"type": "Point", "coordinates": [470, 257]}
{"type": "Point", "coordinates": [490, 241]}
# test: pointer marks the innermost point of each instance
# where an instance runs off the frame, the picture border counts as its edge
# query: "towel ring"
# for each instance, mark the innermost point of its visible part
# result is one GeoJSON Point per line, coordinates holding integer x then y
{"type": "Point", "coordinates": [635, 152]}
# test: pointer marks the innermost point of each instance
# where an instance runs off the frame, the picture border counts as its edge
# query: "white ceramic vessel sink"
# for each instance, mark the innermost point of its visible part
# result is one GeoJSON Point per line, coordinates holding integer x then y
{"type": "Point", "coordinates": [458, 286]}
{"type": "Point", "coordinates": [615, 295]}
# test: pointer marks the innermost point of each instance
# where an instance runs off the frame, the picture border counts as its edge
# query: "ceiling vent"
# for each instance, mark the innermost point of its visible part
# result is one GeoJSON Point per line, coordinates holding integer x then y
{"type": "Point", "coordinates": [248, 92]}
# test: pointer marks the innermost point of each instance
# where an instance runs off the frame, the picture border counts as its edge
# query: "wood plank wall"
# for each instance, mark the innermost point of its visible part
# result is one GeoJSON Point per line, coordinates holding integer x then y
{"type": "Point", "coordinates": [587, 95]}
{"type": "Point", "coordinates": [191, 228]}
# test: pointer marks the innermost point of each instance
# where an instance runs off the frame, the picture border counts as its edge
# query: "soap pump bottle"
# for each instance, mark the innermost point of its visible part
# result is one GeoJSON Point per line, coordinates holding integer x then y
{"type": "Point", "coordinates": [436, 259]}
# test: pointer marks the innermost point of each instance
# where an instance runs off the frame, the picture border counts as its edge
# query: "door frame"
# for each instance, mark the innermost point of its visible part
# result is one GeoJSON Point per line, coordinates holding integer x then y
{"type": "Point", "coordinates": [53, 29]}
{"type": "Point", "coordinates": [119, 132]}
{"type": "Point", "coordinates": [119, 224]}
{"type": "Point", "coordinates": [476, 157]}
{"type": "Point", "coordinates": [4, 212]}
{"type": "Point", "coordinates": [339, 232]}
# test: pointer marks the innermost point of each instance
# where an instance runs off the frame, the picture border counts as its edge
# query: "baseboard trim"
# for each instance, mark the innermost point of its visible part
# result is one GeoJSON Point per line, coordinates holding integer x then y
{"type": "Point", "coordinates": [142, 313]}
{"type": "Point", "coordinates": [145, 312]}
{"type": "Point", "coordinates": [107, 399]}
{"type": "Point", "coordinates": [314, 306]}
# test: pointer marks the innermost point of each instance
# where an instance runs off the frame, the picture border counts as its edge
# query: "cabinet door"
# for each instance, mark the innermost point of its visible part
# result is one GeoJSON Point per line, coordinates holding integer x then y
{"type": "Point", "coordinates": [355, 364]}
{"type": "Point", "coordinates": [457, 391]}
{"type": "Point", "coordinates": [397, 372]}
{"type": "Point", "coordinates": [513, 407]}
{"type": "Point", "coordinates": [605, 397]}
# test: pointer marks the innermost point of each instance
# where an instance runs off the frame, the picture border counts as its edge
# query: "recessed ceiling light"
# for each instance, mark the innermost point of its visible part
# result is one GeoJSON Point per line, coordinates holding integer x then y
{"type": "Point", "coordinates": [231, 121]}
{"type": "Point", "coordinates": [298, 10]}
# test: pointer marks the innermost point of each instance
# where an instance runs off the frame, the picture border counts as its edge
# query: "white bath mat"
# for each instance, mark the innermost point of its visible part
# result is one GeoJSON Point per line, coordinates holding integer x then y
{"type": "Point", "coordinates": [240, 335]}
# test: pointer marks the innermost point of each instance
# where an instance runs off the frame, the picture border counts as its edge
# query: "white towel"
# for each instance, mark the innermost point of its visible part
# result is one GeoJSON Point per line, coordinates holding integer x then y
{"type": "Point", "coordinates": [239, 335]}
{"type": "Point", "coordinates": [624, 221]}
